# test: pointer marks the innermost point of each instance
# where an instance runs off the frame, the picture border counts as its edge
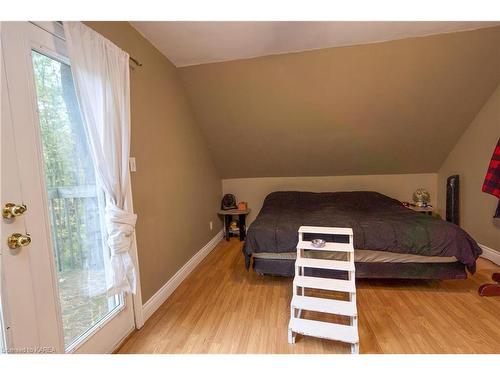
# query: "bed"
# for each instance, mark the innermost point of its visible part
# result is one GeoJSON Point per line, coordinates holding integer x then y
{"type": "Point", "coordinates": [390, 240]}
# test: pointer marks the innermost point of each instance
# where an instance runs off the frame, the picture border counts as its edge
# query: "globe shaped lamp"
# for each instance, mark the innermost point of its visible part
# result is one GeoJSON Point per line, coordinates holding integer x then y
{"type": "Point", "coordinates": [421, 197]}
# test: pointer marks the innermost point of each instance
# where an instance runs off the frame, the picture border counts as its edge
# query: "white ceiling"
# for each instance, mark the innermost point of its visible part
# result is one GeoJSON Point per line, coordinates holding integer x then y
{"type": "Point", "coordinates": [192, 43]}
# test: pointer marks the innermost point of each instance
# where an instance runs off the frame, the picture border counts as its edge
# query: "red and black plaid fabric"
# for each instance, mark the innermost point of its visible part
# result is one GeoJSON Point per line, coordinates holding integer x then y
{"type": "Point", "coordinates": [492, 180]}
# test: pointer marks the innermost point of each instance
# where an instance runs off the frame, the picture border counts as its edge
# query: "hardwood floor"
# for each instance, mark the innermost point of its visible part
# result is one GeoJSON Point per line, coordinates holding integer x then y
{"type": "Point", "coordinates": [222, 308]}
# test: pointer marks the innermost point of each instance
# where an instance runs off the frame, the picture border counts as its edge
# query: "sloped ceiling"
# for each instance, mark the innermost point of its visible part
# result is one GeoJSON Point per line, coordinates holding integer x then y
{"type": "Point", "coordinates": [391, 107]}
{"type": "Point", "coordinates": [191, 43]}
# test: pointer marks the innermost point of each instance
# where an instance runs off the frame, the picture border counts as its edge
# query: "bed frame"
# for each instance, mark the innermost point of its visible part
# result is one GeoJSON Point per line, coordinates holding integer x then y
{"type": "Point", "coordinates": [368, 270]}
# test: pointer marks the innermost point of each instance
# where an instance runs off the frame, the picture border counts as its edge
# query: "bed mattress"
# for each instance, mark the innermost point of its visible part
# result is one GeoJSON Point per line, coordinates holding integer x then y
{"type": "Point", "coordinates": [364, 256]}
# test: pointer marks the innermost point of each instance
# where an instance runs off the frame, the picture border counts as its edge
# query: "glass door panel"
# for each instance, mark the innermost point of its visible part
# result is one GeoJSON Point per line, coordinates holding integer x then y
{"type": "Point", "coordinates": [75, 202]}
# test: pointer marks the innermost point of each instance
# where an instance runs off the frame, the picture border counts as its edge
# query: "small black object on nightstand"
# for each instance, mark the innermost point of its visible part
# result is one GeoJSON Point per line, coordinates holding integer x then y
{"type": "Point", "coordinates": [228, 202]}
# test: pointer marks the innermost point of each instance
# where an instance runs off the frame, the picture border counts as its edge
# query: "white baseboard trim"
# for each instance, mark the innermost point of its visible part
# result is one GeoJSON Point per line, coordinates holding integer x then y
{"type": "Point", "coordinates": [490, 254]}
{"type": "Point", "coordinates": [166, 290]}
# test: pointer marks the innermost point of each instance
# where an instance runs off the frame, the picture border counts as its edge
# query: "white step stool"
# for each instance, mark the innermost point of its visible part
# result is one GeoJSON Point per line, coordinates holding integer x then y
{"type": "Point", "coordinates": [331, 331]}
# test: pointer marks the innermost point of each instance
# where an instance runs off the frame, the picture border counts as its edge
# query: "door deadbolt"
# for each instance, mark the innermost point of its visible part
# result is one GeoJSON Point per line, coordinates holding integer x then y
{"type": "Point", "coordinates": [17, 240]}
{"type": "Point", "coordinates": [11, 210]}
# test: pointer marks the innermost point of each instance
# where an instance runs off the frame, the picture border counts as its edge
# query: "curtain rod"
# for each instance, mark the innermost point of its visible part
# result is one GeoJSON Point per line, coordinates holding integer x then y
{"type": "Point", "coordinates": [134, 60]}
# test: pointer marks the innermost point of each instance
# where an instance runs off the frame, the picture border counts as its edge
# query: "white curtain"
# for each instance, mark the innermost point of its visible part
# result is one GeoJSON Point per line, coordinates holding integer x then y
{"type": "Point", "coordinates": [102, 80]}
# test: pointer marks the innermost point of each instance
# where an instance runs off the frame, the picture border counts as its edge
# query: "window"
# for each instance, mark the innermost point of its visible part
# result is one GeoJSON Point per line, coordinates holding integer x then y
{"type": "Point", "coordinates": [75, 202]}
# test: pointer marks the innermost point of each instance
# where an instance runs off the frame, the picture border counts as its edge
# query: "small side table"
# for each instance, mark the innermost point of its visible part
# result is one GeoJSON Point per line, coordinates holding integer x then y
{"type": "Point", "coordinates": [425, 210]}
{"type": "Point", "coordinates": [228, 215]}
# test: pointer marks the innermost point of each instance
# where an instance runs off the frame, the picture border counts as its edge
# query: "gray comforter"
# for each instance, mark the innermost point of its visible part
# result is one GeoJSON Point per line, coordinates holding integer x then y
{"type": "Point", "coordinates": [378, 222]}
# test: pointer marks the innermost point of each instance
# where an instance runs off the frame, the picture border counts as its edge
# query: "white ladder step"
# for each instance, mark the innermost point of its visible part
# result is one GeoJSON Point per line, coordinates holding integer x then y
{"type": "Point", "coordinates": [326, 230]}
{"type": "Point", "coordinates": [324, 305]}
{"type": "Point", "coordinates": [326, 284]}
{"type": "Point", "coordinates": [325, 330]}
{"type": "Point", "coordinates": [329, 246]}
{"type": "Point", "coordinates": [325, 264]}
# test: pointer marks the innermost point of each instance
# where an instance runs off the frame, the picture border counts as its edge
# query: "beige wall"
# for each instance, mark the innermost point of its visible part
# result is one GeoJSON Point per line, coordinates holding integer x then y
{"type": "Point", "coordinates": [470, 159]}
{"type": "Point", "coordinates": [176, 188]}
{"type": "Point", "coordinates": [399, 186]}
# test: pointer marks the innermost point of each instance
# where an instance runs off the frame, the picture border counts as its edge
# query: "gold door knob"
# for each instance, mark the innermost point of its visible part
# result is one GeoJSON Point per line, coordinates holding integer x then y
{"type": "Point", "coordinates": [17, 240]}
{"type": "Point", "coordinates": [11, 210]}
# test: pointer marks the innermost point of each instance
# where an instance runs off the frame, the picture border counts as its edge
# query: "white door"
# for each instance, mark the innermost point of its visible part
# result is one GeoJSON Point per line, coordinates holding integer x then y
{"type": "Point", "coordinates": [53, 288]}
